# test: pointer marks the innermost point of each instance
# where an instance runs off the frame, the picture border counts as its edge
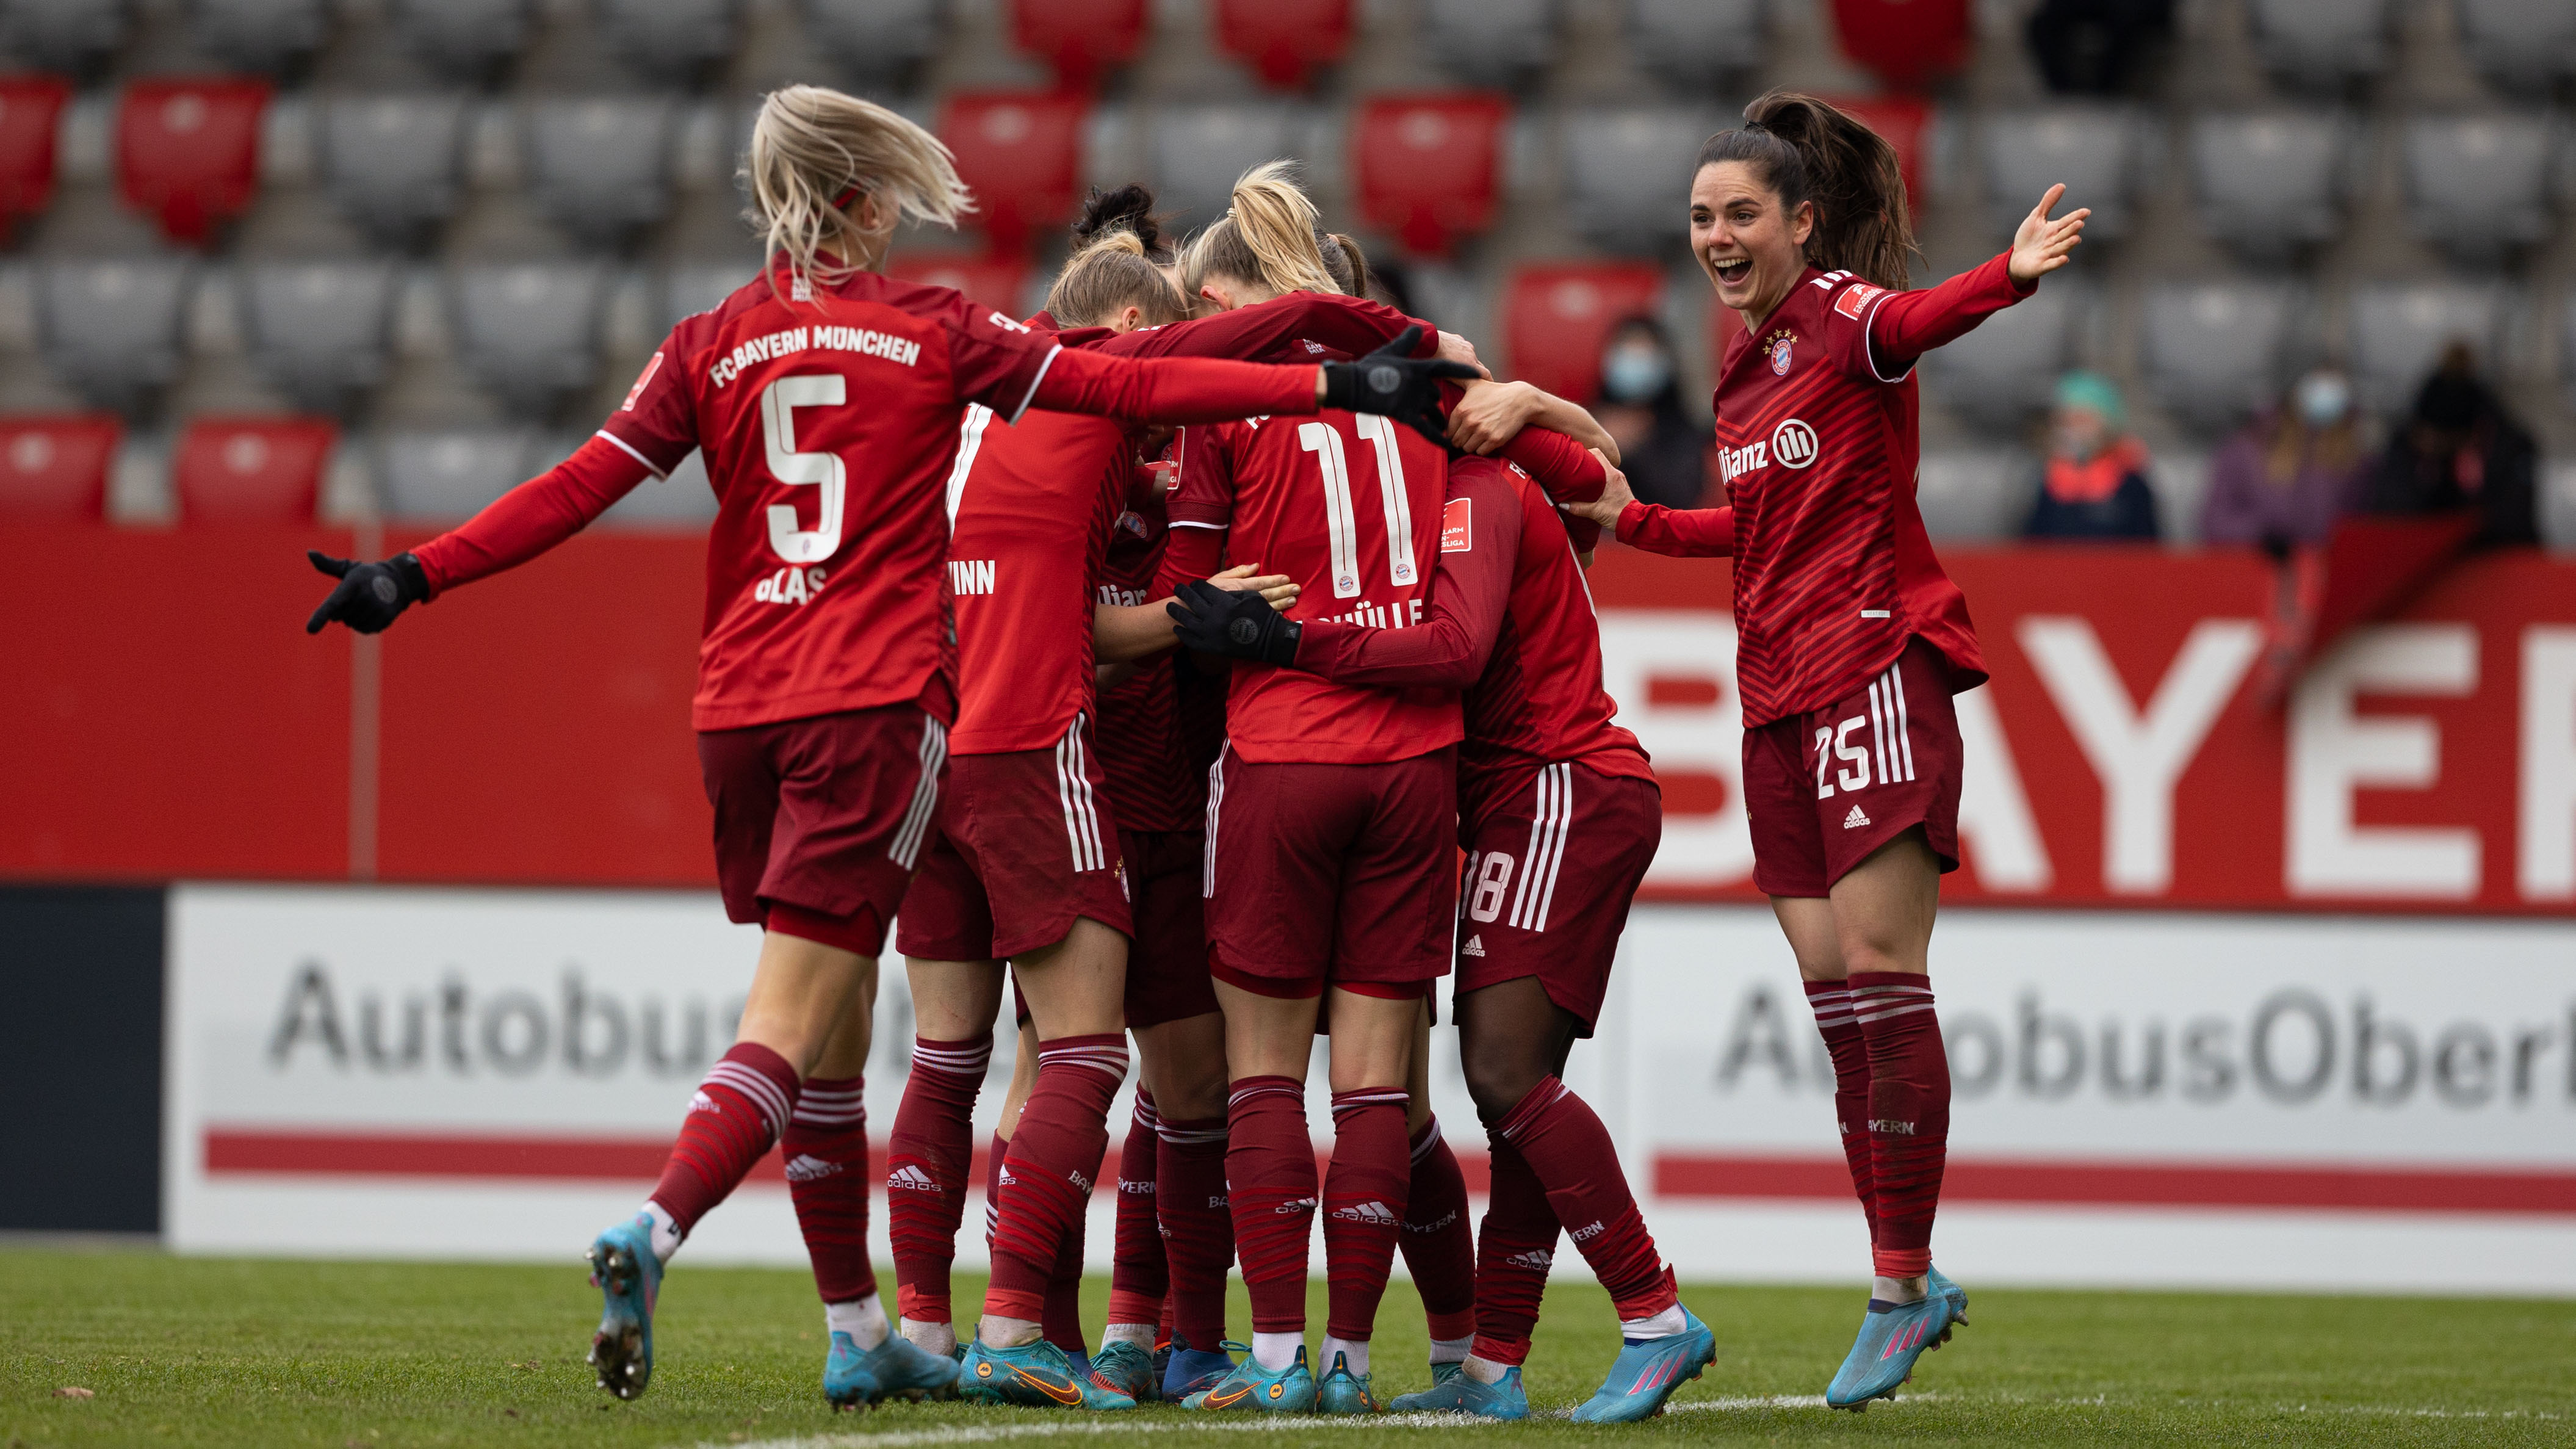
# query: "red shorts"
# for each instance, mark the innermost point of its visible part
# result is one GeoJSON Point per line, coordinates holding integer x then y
{"type": "Point", "coordinates": [1827, 787]}
{"type": "Point", "coordinates": [820, 821]}
{"type": "Point", "coordinates": [1552, 864]}
{"type": "Point", "coordinates": [1344, 874]}
{"type": "Point", "coordinates": [1167, 964]}
{"type": "Point", "coordinates": [1024, 845]}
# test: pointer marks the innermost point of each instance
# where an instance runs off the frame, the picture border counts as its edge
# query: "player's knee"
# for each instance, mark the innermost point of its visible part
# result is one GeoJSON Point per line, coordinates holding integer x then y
{"type": "Point", "coordinates": [1498, 1077]}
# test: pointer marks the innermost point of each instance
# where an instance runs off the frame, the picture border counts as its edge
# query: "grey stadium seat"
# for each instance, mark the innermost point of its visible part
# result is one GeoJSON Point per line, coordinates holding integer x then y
{"type": "Point", "coordinates": [394, 163]}
{"type": "Point", "coordinates": [2097, 150]}
{"type": "Point", "coordinates": [2395, 331]}
{"type": "Point", "coordinates": [670, 38]}
{"type": "Point", "coordinates": [1697, 41]}
{"type": "Point", "coordinates": [2520, 44]}
{"type": "Point", "coordinates": [320, 330]}
{"type": "Point", "coordinates": [65, 35]}
{"type": "Point", "coordinates": [2317, 43]}
{"type": "Point", "coordinates": [1999, 374]}
{"type": "Point", "coordinates": [2477, 185]}
{"type": "Point", "coordinates": [601, 167]}
{"type": "Point", "coordinates": [1627, 173]}
{"type": "Point", "coordinates": [2212, 352]}
{"type": "Point", "coordinates": [462, 37]}
{"type": "Point", "coordinates": [1490, 42]}
{"type": "Point", "coordinates": [445, 476]}
{"type": "Point", "coordinates": [112, 329]}
{"type": "Point", "coordinates": [1199, 150]}
{"type": "Point", "coordinates": [700, 287]}
{"type": "Point", "coordinates": [2270, 181]}
{"type": "Point", "coordinates": [259, 34]}
{"type": "Point", "coordinates": [530, 331]}
{"type": "Point", "coordinates": [879, 39]}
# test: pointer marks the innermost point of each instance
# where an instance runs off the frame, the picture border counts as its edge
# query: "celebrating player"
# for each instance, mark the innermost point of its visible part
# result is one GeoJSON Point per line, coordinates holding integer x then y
{"type": "Point", "coordinates": [1850, 640]}
{"type": "Point", "coordinates": [825, 684]}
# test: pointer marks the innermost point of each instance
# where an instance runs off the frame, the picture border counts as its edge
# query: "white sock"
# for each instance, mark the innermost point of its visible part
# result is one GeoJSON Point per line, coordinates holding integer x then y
{"type": "Point", "coordinates": [666, 1233]}
{"type": "Point", "coordinates": [996, 1332]}
{"type": "Point", "coordinates": [1275, 1351]}
{"type": "Point", "coordinates": [938, 1338]}
{"type": "Point", "coordinates": [1354, 1352]}
{"type": "Point", "coordinates": [1451, 1350]}
{"type": "Point", "coordinates": [1485, 1370]}
{"type": "Point", "coordinates": [1899, 1290]}
{"type": "Point", "coordinates": [1661, 1325]}
{"type": "Point", "coordinates": [863, 1320]}
{"type": "Point", "coordinates": [1139, 1334]}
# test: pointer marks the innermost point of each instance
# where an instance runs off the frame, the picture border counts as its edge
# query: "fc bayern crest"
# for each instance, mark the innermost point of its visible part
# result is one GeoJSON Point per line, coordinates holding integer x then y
{"type": "Point", "coordinates": [1780, 355]}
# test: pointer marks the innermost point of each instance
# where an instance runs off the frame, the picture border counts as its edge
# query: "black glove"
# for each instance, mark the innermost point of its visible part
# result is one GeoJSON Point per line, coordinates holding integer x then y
{"type": "Point", "coordinates": [1239, 624]}
{"type": "Point", "coordinates": [1392, 382]}
{"type": "Point", "coordinates": [370, 596]}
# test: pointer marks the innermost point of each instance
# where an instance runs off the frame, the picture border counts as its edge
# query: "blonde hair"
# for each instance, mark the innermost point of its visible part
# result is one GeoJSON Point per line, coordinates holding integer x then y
{"type": "Point", "coordinates": [1267, 237]}
{"type": "Point", "coordinates": [1110, 273]}
{"type": "Point", "coordinates": [811, 148]}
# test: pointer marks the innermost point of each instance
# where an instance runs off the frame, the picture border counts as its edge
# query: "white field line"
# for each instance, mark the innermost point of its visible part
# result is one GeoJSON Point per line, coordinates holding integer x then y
{"type": "Point", "coordinates": [1072, 1427]}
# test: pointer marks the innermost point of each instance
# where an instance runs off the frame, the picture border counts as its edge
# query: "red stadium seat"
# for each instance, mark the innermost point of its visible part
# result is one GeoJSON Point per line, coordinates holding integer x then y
{"type": "Point", "coordinates": [251, 470]}
{"type": "Point", "coordinates": [1556, 317]}
{"type": "Point", "coordinates": [56, 466]}
{"type": "Point", "coordinates": [187, 151]}
{"type": "Point", "coordinates": [1020, 152]}
{"type": "Point", "coordinates": [1284, 39]}
{"type": "Point", "coordinates": [993, 282]}
{"type": "Point", "coordinates": [1906, 43]}
{"type": "Point", "coordinates": [1081, 38]}
{"type": "Point", "coordinates": [1429, 168]}
{"type": "Point", "coordinates": [30, 108]}
{"type": "Point", "coordinates": [1903, 121]}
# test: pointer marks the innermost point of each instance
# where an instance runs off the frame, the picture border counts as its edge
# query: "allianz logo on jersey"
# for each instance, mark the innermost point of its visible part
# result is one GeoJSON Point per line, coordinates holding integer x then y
{"type": "Point", "coordinates": [1791, 445]}
{"type": "Point", "coordinates": [790, 586]}
{"type": "Point", "coordinates": [971, 575]}
{"type": "Point", "coordinates": [1112, 594]}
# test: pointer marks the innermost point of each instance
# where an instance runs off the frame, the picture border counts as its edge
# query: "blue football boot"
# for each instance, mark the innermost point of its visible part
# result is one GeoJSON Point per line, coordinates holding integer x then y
{"type": "Point", "coordinates": [1189, 1370]}
{"type": "Point", "coordinates": [629, 1279]}
{"type": "Point", "coordinates": [1271, 1391]}
{"type": "Point", "coordinates": [1342, 1392]}
{"type": "Point", "coordinates": [1958, 1296]}
{"type": "Point", "coordinates": [1456, 1393]}
{"type": "Point", "coordinates": [1123, 1368]}
{"type": "Point", "coordinates": [1036, 1374]}
{"type": "Point", "coordinates": [1646, 1373]}
{"type": "Point", "coordinates": [1892, 1337]}
{"type": "Point", "coordinates": [895, 1369]}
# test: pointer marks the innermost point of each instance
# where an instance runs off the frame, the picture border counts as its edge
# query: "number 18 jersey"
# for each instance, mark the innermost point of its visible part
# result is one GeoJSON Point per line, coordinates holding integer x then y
{"type": "Point", "coordinates": [1348, 505]}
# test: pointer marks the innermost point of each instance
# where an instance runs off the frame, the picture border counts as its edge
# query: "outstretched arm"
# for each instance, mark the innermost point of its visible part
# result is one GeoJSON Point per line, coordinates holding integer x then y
{"type": "Point", "coordinates": [1124, 632]}
{"type": "Point", "coordinates": [533, 517]}
{"type": "Point", "coordinates": [1679, 532]}
{"type": "Point", "coordinates": [1909, 324]}
{"type": "Point", "coordinates": [1345, 324]}
{"type": "Point", "coordinates": [1489, 415]}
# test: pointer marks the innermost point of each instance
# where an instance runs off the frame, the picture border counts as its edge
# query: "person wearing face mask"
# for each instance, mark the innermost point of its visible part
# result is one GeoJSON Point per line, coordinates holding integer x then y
{"type": "Point", "coordinates": [2461, 450]}
{"type": "Point", "coordinates": [2094, 484]}
{"type": "Point", "coordinates": [2290, 473]}
{"type": "Point", "coordinates": [1641, 406]}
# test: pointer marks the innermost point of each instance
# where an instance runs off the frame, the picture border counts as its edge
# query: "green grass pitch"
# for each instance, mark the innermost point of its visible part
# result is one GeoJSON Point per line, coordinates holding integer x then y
{"type": "Point", "coordinates": [211, 1352]}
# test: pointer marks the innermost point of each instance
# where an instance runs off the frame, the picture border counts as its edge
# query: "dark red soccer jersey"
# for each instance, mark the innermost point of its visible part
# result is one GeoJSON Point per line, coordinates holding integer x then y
{"type": "Point", "coordinates": [1817, 440]}
{"type": "Point", "coordinates": [1161, 726]}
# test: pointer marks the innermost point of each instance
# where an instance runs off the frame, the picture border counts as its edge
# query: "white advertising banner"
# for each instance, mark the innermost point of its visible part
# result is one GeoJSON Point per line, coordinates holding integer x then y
{"type": "Point", "coordinates": [2140, 1097]}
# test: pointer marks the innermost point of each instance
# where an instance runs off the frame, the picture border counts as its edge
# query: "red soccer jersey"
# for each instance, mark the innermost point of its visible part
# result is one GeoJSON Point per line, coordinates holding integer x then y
{"type": "Point", "coordinates": [1816, 433]}
{"type": "Point", "coordinates": [1162, 725]}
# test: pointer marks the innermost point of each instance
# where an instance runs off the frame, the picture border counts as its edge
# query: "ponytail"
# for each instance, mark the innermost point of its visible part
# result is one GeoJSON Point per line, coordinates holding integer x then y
{"type": "Point", "coordinates": [1266, 237]}
{"type": "Point", "coordinates": [1347, 263]}
{"type": "Point", "coordinates": [814, 151]}
{"type": "Point", "coordinates": [1806, 150]}
{"type": "Point", "coordinates": [1130, 209]}
{"type": "Point", "coordinates": [1110, 274]}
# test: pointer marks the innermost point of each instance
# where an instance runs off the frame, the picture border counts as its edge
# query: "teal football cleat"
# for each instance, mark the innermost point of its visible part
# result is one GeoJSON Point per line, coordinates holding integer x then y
{"type": "Point", "coordinates": [847, 1384]}
{"type": "Point", "coordinates": [1892, 1337]}
{"type": "Point", "coordinates": [1123, 1368]}
{"type": "Point", "coordinates": [629, 1279]}
{"type": "Point", "coordinates": [1189, 1370]}
{"type": "Point", "coordinates": [1035, 1374]}
{"type": "Point", "coordinates": [1343, 1392]}
{"type": "Point", "coordinates": [895, 1369]}
{"type": "Point", "coordinates": [1456, 1393]}
{"type": "Point", "coordinates": [1958, 1296]}
{"type": "Point", "coordinates": [1271, 1391]}
{"type": "Point", "coordinates": [1646, 1373]}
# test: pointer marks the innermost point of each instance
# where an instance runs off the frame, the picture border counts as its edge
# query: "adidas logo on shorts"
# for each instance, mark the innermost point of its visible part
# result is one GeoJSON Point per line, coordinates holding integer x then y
{"type": "Point", "coordinates": [1376, 1213]}
{"type": "Point", "coordinates": [1855, 820]}
{"type": "Point", "coordinates": [803, 1168]}
{"type": "Point", "coordinates": [1475, 946]}
{"type": "Point", "coordinates": [911, 1178]}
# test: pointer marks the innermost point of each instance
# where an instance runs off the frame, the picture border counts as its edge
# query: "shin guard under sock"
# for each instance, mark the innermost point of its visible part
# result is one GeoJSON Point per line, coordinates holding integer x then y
{"type": "Point", "coordinates": [738, 1111]}
{"type": "Point", "coordinates": [1512, 1257]}
{"type": "Point", "coordinates": [826, 1147]}
{"type": "Point", "coordinates": [1139, 1276]}
{"type": "Point", "coordinates": [1365, 1192]}
{"type": "Point", "coordinates": [1270, 1186]}
{"type": "Point", "coordinates": [1198, 1226]}
{"type": "Point", "coordinates": [1570, 1152]}
{"type": "Point", "coordinates": [1909, 1114]}
{"type": "Point", "coordinates": [1831, 1001]}
{"type": "Point", "coordinates": [1438, 1242]}
{"type": "Point", "coordinates": [1053, 1161]}
{"type": "Point", "coordinates": [929, 1158]}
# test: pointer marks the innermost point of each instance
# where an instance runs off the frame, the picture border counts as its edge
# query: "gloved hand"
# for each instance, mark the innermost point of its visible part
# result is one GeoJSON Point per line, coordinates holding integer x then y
{"type": "Point", "coordinates": [1392, 382]}
{"type": "Point", "coordinates": [1237, 624]}
{"type": "Point", "coordinates": [370, 596]}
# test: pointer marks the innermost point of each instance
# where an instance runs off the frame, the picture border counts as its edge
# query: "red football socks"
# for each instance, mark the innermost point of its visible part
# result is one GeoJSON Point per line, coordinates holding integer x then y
{"type": "Point", "coordinates": [1512, 1257]}
{"type": "Point", "coordinates": [1365, 1193]}
{"type": "Point", "coordinates": [1061, 1323]}
{"type": "Point", "coordinates": [927, 1161]}
{"type": "Point", "coordinates": [1054, 1159]}
{"type": "Point", "coordinates": [1569, 1150]}
{"type": "Point", "coordinates": [1138, 1275]}
{"type": "Point", "coordinates": [1439, 1243]}
{"type": "Point", "coordinates": [1909, 1114]}
{"type": "Point", "coordinates": [1191, 1198]}
{"type": "Point", "coordinates": [739, 1110]}
{"type": "Point", "coordinates": [1831, 1001]}
{"type": "Point", "coordinates": [826, 1147]}
{"type": "Point", "coordinates": [1270, 1184]}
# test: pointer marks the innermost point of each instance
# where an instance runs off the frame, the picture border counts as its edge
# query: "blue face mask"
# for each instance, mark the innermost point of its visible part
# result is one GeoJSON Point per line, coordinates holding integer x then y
{"type": "Point", "coordinates": [2323, 399]}
{"type": "Point", "coordinates": [1635, 374]}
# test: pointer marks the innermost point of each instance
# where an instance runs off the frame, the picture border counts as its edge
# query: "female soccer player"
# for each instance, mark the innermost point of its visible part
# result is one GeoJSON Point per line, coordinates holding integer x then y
{"type": "Point", "coordinates": [824, 680]}
{"type": "Point", "coordinates": [1850, 639]}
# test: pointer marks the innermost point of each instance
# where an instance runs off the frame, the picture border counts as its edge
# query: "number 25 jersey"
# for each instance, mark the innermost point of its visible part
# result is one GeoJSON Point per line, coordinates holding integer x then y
{"type": "Point", "coordinates": [1348, 505]}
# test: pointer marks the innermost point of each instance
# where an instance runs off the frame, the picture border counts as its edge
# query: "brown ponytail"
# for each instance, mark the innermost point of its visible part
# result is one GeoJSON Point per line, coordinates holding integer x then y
{"type": "Point", "coordinates": [1806, 150]}
{"type": "Point", "coordinates": [1348, 264]}
{"type": "Point", "coordinates": [1130, 208]}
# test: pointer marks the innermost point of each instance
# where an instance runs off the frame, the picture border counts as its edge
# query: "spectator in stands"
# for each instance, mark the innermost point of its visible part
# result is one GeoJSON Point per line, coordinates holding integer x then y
{"type": "Point", "coordinates": [2094, 484]}
{"type": "Point", "coordinates": [1665, 456]}
{"type": "Point", "coordinates": [2286, 478]}
{"type": "Point", "coordinates": [2092, 47]}
{"type": "Point", "coordinates": [2461, 449]}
